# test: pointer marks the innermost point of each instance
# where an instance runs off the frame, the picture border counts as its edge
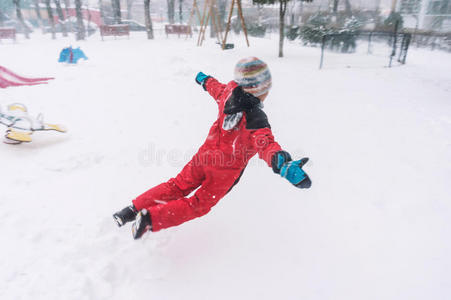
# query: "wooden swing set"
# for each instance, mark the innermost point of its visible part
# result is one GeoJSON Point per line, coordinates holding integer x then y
{"type": "Point", "coordinates": [210, 11]}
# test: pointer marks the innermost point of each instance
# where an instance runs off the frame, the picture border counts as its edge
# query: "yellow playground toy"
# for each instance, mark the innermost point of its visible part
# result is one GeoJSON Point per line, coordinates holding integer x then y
{"type": "Point", "coordinates": [20, 125]}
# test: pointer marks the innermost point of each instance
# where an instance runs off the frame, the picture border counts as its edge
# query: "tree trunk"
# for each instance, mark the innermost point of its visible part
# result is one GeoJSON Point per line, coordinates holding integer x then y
{"type": "Point", "coordinates": [348, 9]}
{"type": "Point", "coordinates": [180, 11]}
{"type": "Point", "coordinates": [80, 26]}
{"type": "Point", "coordinates": [171, 11]}
{"type": "Point", "coordinates": [102, 12]}
{"type": "Point", "coordinates": [38, 14]}
{"type": "Point", "coordinates": [282, 11]}
{"type": "Point", "coordinates": [66, 9]}
{"type": "Point", "coordinates": [259, 14]}
{"type": "Point", "coordinates": [51, 20]}
{"type": "Point", "coordinates": [116, 11]}
{"type": "Point", "coordinates": [222, 7]}
{"type": "Point", "coordinates": [59, 10]}
{"type": "Point", "coordinates": [376, 13]}
{"type": "Point", "coordinates": [301, 12]}
{"type": "Point", "coordinates": [149, 27]}
{"type": "Point", "coordinates": [129, 9]}
{"type": "Point", "coordinates": [335, 7]}
{"type": "Point", "coordinates": [20, 17]}
{"type": "Point", "coordinates": [212, 26]}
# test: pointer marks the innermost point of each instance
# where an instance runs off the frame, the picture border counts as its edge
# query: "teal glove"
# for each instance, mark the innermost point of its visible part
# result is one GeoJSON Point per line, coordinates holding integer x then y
{"type": "Point", "coordinates": [291, 170]}
{"type": "Point", "coordinates": [201, 77]}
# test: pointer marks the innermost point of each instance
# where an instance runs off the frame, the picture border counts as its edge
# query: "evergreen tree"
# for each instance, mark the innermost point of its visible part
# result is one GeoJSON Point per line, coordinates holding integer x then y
{"type": "Point", "coordinates": [315, 28]}
{"type": "Point", "coordinates": [340, 38]}
{"type": "Point", "coordinates": [392, 19]}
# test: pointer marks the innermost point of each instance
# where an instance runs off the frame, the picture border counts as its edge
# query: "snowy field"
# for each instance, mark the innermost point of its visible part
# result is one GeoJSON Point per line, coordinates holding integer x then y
{"type": "Point", "coordinates": [376, 223]}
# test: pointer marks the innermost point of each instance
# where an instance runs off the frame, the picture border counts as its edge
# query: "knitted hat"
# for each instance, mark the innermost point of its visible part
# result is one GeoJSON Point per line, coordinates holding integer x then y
{"type": "Point", "coordinates": [253, 76]}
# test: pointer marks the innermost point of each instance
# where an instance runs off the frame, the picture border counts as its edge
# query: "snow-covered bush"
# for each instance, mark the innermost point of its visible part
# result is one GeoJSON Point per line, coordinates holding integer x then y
{"type": "Point", "coordinates": [315, 28]}
{"type": "Point", "coordinates": [341, 38]}
{"type": "Point", "coordinates": [256, 30]}
{"type": "Point", "coordinates": [292, 32]}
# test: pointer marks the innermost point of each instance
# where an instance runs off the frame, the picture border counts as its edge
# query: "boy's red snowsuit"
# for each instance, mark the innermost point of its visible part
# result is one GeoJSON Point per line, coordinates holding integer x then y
{"type": "Point", "coordinates": [216, 167]}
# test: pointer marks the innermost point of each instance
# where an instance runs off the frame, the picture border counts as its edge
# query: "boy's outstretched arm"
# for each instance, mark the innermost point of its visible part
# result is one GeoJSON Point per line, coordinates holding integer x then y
{"type": "Point", "coordinates": [280, 161]}
{"type": "Point", "coordinates": [211, 85]}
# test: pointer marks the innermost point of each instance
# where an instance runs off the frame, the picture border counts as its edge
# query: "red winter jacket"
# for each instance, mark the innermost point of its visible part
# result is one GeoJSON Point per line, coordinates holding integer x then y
{"type": "Point", "coordinates": [239, 145]}
{"type": "Point", "coordinates": [218, 164]}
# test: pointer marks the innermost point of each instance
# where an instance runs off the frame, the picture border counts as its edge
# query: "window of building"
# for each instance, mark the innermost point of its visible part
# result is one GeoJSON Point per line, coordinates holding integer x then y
{"type": "Point", "coordinates": [439, 7]}
{"type": "Point", "coordinates": [410, 7]}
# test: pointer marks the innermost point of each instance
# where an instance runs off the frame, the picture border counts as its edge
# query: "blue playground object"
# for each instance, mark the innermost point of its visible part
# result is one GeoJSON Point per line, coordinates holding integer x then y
{"type": "Point", "coordinates": [71, 55]}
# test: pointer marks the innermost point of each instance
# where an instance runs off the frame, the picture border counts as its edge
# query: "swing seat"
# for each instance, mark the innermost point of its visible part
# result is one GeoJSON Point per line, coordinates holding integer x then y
{"type": "Point", "coordinates": [229, 46]}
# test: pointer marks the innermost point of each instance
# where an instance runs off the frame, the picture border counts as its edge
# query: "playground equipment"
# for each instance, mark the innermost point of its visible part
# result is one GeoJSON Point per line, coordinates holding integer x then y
{"type": "Point", "coordinates": [9, 78]}
{"type": "Point", "coordinates": [194, 10]}
{"type": "Point", "coordinates": [243, 23]}
{"type": "Point", "coordinates": [20, 125]}
{"type": "Point", "coordinates": [114, 30]}
{"type": "Point", "coordinates": [210, 11]}
{"type": "Point", "coordinates": [71, 56]}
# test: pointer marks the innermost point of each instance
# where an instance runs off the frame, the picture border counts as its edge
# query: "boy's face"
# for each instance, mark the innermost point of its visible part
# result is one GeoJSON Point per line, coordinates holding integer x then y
{"type": "Point", "coordinates": [263, 97]}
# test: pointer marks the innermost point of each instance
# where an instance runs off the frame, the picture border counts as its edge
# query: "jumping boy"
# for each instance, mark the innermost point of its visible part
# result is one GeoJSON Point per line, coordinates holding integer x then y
{"type": "Point", "coordinates": [241, 131]}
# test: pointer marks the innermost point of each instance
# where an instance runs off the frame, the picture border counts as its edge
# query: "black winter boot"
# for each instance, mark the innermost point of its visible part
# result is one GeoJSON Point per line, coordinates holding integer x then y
{"type": "Point", "coordinates": [142, 224]}
{"type": "Point", "coordinates": [126, 215]}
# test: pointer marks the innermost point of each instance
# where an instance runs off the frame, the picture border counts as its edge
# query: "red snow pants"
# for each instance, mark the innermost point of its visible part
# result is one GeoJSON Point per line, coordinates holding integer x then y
{"type": "Point", "coordinates": [167, 202]}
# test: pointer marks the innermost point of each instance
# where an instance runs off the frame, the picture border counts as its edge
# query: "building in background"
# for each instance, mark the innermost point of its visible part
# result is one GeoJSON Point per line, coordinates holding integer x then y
{"type": "Point", "coordinates": [426, 14]}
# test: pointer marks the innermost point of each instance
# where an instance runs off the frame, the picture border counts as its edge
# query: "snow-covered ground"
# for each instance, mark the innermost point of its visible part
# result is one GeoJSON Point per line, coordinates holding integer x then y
{"type": "Point", "coordinates": [376, 223]}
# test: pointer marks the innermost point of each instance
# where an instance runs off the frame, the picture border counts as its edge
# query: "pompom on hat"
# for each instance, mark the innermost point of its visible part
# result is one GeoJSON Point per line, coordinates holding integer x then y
{"type": "Point", "coordinates": [253, 75]}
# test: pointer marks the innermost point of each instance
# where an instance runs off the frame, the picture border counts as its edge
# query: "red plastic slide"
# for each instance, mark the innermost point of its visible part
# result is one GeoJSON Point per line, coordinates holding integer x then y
{"type": "Point", "coordinates": [8, 78]}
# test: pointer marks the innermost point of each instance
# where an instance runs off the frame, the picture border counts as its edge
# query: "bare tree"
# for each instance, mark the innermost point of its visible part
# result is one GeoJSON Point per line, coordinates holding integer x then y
{"type": "Point", "coordinates": [282, 11]}
{"type": "Point", "coordinates": [348, 8]}
{"type": "Point", "coordinates": [335, 6]}
{"type": "Point", "coordinates": [60, 13]}
{"type": "Point", "coordinates": [149, 27]}
{"type": "Point", "coordinates": [180, 11]}
{"type": "Point", "coordinates": [171, 11]}
{"type": "Point", "coordinates": [51, 20]}
{"type": "Point", "coordinates": [66, 8]}
{"type": "Point", "coordinates": [38, 14]}
{"type": "Point", "coordinates": [102, 11]}
{"type": "Point", "coordinates": [129, 9]}
{"type": "Point", "coordinates": [117, 11]}
{"type": "Point", "coordinates": [80, 26]}
{"type": "Point", "coordinates": [222, 12]}
{"type": "Point", "coordinates": [21, 20]}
